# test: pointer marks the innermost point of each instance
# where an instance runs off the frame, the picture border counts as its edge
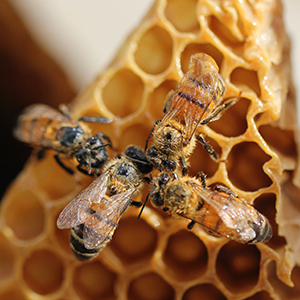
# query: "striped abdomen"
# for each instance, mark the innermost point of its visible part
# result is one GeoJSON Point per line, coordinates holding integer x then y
{"type": "Point", "coordinates": [77, 244]}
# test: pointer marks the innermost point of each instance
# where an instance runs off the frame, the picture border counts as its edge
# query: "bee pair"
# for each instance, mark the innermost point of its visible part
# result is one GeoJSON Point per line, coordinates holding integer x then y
{"type": "Point", "coordinates": [198, 100]}
{"type": "Point", "coordinates": [94, 214]}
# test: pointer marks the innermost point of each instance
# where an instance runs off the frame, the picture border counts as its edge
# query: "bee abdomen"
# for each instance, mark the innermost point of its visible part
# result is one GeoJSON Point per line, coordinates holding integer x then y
{"type": "Point", "coordinates": [78, 248]}
{"type": "Point", "coordinates": [263, 232]}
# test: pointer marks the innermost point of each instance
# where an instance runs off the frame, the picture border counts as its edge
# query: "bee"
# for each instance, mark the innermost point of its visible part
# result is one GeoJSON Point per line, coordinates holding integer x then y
{"type": "Point", "coordinates": [44, 127]}
{"type": "Point", "coordinates": [196, 101]}
{"type": "Point", "coordinates": [219, 211]}
{"type": "Point", "coordinates": [94, 214]}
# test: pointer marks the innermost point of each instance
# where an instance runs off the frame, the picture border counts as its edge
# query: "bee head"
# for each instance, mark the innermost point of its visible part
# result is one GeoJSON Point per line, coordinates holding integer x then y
{"type": "Point", "coordinates": [93, 153]}
{"type": "Point", "coordinates": [139, 158]}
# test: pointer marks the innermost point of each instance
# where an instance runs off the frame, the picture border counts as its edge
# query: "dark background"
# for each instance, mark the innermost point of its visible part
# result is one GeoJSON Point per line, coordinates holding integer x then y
{"type": "Point", "coordinates": [27, 75]}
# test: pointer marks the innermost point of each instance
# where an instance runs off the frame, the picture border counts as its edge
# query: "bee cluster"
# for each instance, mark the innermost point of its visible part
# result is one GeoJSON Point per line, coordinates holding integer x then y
{"type": "Point", "coordinates": [250, 153]}
{"type": "Point", "coordinates": [94, 214]}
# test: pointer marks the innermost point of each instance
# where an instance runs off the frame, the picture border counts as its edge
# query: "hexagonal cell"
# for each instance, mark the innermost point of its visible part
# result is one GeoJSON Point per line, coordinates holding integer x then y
{"type": "Point", "coordinates": [150, 287]}
{"type": "Point", "coordinates": [123, 93]}
{"type": "Point", "coordinates": [157, 98]}
{"type": "Point", "coordinates": [134, 135]}
{"type": "Point", "coordinates": [245, 78]}
{"type": "Point", "coordinates": [12, 294]}
{"type": "Point", "coordinates": [185, 251]}
{"type": "Point", "coordinates": [238, 266]}
{"type": "Point", "coordinates": [196, 48]}
{"type": "Point", "coordinates": [260, 296]}
{"type": "Point", "coordinates": [233, 122]}
{"type": "Point", "coordinates": [94, 281]}
{"type": "Point", "coordinates": [25, 215]}
{"type": "Point", "coordinates": [281, 140]}
{"type": "Point", "coordinates": [56, 186]}
{"type": "Point", "coordinates": [154, 51]}
{"type": "Point", "coordinates": [43, 272]}
{"type": "Point", "coordinates": [282, 290]}
{"type": "Point", "coordinates": [200, 160]}
{"type": "Point", "coordinates": [225, 35]}
{"type": "Point", "coordinates": [182, 14]}
{"type": "Point", "coordinates": [134, 240]}
{"type": "Point", "coordinates": [244, 165]}
{"type": "Point", "coordinates": [7, 258]}
{"type": "Point", "coordinates": [266, 205]}
{"type": "Point", "coordinates": [203, 291]}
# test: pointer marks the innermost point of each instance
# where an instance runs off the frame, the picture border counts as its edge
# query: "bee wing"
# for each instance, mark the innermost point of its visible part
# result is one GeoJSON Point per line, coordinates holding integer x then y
{"type": "Point", "coordinates": [75, 213]}
{"type": "Point", "coordinates": [231, 210]}
{"type": "Point", "coordinates": [102, 226]}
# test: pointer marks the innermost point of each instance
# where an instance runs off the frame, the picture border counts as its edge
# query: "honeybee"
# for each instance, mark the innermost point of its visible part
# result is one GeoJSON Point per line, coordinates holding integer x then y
{"type": "Point", "coordinates": [219, 211]}
{"type": "Point", "coordinates": [44, 127]}
{"type": "Point", "coordinates": [94, 214]}
{"type": "Point", "coordinates": [196, 101]}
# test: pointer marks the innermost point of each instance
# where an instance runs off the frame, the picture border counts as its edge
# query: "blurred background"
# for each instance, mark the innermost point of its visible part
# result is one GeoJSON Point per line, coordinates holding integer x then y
{"type": "Point", "coordinates": [52, 49]}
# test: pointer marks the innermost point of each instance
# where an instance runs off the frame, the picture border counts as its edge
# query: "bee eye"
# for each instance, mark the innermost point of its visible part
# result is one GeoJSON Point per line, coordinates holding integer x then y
{"type": "Point", "coordinates": [168, 136]}
{"type": "Point", "coordinates": [157, 200]}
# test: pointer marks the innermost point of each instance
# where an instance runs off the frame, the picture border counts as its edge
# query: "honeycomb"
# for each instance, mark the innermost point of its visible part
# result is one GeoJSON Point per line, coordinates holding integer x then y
{"type": "Point", "coordinates": [157, 257]}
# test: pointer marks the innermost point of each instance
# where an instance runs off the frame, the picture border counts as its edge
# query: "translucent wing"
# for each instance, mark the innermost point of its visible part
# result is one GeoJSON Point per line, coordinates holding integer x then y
{"type": "Point", "coordinates": [197, 94]}
{"type": "Point", "coordinates": [74, 213]}
{"type": "Point", "coordinates": [231, 210]}
{"type": "Point", "coordinates": [105, 221]}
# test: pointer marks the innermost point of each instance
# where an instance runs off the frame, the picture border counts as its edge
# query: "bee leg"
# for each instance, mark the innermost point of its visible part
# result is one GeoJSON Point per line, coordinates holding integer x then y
{"type": "Point", "coordinates": [136, 203]}
{"type": "Point", "coordinates": [65, 111]}
{"type": "Point", "coordinates": [191, 225]}
{"type": "Point", "coordinates": [40, 153]}
{"type": "Point", "coordinates": [202, 177]}
{"type": "Point", "coordinates": [221, 188]}
{"type": "Point", "coordinates": [85, 172]}
{"type": "Point", "coordinates": [207, 147]}
{"type": "Point", "coordinates": [165, 209]}
{"type": "Point", "coordinates": [143, 206]}
{"type": "Point", "coordinates": [150, 133]}
{"type": "Point", "coordinates": [100, 120]}
{"type": "Point", "coordinates": [184, 169]}
{"type": "Point", "coordinates": [69, 170]}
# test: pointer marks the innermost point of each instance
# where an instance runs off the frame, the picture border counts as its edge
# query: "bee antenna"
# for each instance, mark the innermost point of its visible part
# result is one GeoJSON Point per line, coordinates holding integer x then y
{"type": "Point", "coordinates": [143, 206]}
{"type": "Point", "coordinates": [137, 160]}
{"type": "Point", "coordinates": [101, 146]}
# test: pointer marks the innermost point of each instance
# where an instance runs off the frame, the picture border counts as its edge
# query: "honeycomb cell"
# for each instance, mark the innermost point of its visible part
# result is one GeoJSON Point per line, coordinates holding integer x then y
{"type": "Point", "coordinates": [246, 79]}
{"type": "Point", "coordinates": [25, 215]}
{"type": "Point", "coordinates": [282, 290]}
{"type": "Point", "coordinates": [245, 162]}
{"type": "Point", "coordinates": [260, 296]}
{"type": "Point", "coordinates": [157, 99]}
{"type": "Point", "coordinates": [200, 160]}
{"type": "Point", "coordinates": [233, 122]}
{"type": "Point", "coordinates": [94, 281]}
{"type": "Point", "coordinates": [238, 266]}
{"type": "Point", "coordinates": [134, 135]}
{"type": "Point", "coordinates": [154, 51]}
{"type": "Point", "coordinates": [43, 272]}
{"type": "Point", "coordinates": [203, 291]}
{"type": "Point", "coordinates": [281, 140]}
{"type": "Point", "coordinates": [12, 295]}
{"type": "Point", "coordinates": [150, 287]}
{"type": "Point", "coordinates": [191, 49]}
{"type": "Point", "coordinates": [185, 251]}
{"type": "Point", "coordinates": [225, 35]}
{"type": "Point", "coordinates": [123, 93]}
{"type": "Point", "coordinates": [134, 240]}
{"type": "Point", "coordinates": [266, 204]}
{"type": "Point", "coordinates": [182, 14]}
{"type": "Point", "coordinates": [62, 184]}
{"type": "Point", "coordinates": [7, 259]}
